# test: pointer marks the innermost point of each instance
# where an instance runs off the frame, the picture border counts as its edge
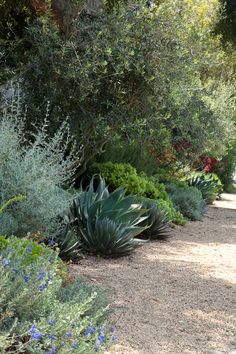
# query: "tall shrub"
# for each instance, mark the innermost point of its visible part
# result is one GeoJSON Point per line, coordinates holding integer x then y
{"type": "Point", "coordinates": [38, 168]}
{"type": "Point", "coordinates": [155, 74]}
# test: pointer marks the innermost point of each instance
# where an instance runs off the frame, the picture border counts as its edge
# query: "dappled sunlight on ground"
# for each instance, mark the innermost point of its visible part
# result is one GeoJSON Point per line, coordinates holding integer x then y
{"type": "Point", "coordinates": [214, 260]}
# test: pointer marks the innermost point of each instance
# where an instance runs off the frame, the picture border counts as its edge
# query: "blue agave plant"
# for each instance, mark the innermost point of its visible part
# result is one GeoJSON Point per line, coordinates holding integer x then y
{"type": "Point", "coordinates": [107, 223]}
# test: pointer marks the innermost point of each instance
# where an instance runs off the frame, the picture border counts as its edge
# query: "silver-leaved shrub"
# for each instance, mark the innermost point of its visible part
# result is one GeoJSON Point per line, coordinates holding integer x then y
{"type": "Point", "coordinates": [41, 312]}
{"type": "Point", "coordinates": [36, 166]}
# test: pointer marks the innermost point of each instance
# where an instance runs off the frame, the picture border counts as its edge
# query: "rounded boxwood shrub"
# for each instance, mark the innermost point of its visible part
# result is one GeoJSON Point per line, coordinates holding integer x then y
{"type": "Point", "coordinates": [123, 174]}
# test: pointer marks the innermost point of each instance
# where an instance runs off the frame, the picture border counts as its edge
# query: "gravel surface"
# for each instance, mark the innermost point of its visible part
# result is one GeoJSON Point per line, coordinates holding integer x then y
{"type": "Point", "coordinates": [175, 297]}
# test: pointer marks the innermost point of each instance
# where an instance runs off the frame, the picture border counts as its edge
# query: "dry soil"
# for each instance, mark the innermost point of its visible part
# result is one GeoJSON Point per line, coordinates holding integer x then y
{"type": "Point", "coordinates": [179, 296]}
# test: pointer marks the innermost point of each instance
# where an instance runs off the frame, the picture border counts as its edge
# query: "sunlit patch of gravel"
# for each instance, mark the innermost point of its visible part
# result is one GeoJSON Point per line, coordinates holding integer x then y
{"type": "Point", "coordinates": [175, 297]}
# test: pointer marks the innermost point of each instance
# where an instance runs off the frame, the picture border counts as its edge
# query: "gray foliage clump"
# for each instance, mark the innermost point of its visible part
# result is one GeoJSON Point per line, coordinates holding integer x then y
{"type": "Point", "coordinates": [37, 167]}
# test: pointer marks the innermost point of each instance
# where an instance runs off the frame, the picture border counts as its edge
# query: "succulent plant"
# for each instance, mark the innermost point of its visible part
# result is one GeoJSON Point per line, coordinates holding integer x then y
{"type": "Point", "coordinates": [157, 220]}
{"type": "Point", "coordinates": [208, 184]}
{"type": "Point", "coordinates": [107, 222]}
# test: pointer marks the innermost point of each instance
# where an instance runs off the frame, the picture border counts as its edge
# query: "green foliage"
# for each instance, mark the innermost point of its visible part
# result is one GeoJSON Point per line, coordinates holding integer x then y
{"type": "Point", "coordinates": [67, 240]}
{"type": "Point", "coordinates": [157, 221]}
{"type": "Point", "coordinates": [188, 200]}
{"type": "Point", "coordinates": [135, 153]}
{"type": "Point", "coordinates": [21, 246]}
{"type": "Point", "coordinates": [107, 222]}
{"type": "Point", "coordinates": [18, 198]}
{"type": "Point", "coordinates": [125, 175]}
{"type": "Point", "coordinates": [226, 169]}
{"type": "Point", "coordinates": [227, 22]}
{"type": "Point", "coordinates": [208, 184]}
{"type": "Point", "coordinates": [37, 313]}
{"type": "Point", "coordinates": [151, 74]}
{"type": "Point", "coordinates": [38, 170]}
{"type": "Point", "coordinates": [14, 15]}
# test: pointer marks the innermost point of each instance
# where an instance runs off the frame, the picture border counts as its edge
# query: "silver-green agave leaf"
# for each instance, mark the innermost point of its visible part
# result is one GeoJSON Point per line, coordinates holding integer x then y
{"type": "Point", "coordinates": [107, 222]}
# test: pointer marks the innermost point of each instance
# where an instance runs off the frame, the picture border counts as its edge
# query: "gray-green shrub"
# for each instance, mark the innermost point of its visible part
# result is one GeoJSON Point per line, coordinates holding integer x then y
{"type": "Point", "coordinates": [38, 314]}
{"type": "Point", "coordinates": [37, 168]}
{"type": "Point", "coordinates": [188, 200]}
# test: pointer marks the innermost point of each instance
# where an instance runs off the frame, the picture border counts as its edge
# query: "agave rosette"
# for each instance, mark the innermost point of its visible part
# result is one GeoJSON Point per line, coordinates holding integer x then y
{"type": "Point", "coordinates": [108, 222]}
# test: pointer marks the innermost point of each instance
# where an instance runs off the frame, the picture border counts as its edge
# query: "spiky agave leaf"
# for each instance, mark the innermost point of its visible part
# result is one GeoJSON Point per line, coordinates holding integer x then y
{"type": "Point", "coordinates": [68, 243]}
{"type": "Point", "coordinates": [109, 237]}
{"type": "Point", "coordinates": [108, 222]}
{"type": "Point", "coordinates": [159, 226]}
{"type": "Point", "coordinates": [209, 186]}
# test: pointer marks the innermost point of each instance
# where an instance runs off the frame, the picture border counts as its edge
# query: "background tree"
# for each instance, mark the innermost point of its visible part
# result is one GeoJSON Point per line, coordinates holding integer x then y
{"type": "Point", "coordinates": [150, 74]}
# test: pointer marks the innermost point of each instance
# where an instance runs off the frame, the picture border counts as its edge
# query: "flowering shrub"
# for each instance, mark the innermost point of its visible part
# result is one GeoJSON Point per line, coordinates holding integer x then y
{"type": "Point", "coordinates": [25, 250]}
{"type": "Point", "coordinates": [38, 315]}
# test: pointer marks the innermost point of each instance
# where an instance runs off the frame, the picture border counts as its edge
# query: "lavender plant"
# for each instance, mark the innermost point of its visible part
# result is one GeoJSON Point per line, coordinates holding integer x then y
{"type": "Point", "coordinates": [36, 314]}
{"type": "Point", "coordinates": [37, 167]}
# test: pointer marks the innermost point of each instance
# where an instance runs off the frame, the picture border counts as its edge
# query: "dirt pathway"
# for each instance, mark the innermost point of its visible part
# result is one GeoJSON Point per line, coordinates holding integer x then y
{"type": "Point", "coordinates": [176, 297]}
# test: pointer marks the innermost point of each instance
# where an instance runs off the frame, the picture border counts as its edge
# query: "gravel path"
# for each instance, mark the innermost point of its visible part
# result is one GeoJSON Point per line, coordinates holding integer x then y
{"type": "Point", "coordinates": [176, 297]}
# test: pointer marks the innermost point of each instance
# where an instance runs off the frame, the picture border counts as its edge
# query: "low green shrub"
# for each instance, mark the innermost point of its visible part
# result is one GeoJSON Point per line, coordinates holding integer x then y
{"type": "Point", "coordinates": [27, 250]}
{"type": "Point", "coordinates": [188, 200]}
{"type": "Point", "coordinates": [173, 214]}
{"type": "Point", "coordinates": [125, 175]}
{"type": "Point", "coordinates": [107, 223]}
{"type": "Point", "coordinates": [208, 184]}
{"type": "Point", "coordinates": [39, 315]}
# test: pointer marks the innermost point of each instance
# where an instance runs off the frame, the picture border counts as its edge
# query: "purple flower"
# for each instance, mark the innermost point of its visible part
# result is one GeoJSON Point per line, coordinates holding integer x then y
{"type": "Point", "coordinates": [86, 333]}
{"type": "Point", "coordinates": [37, 335]}
{"type": "Point", "coordinates": [101, 339]}
{"type": "Point", "coordinates": [41, 276]}
{"type": "Point", "coordinates": [26, 278]}
{"type": "Point", "coordinates": [91, 329]}
{"type": "Point", "coordinates": [33, 329]}
{"type": "Point", "coordinates": [52, 351]}
{"type": "Point", "coordinates": [51, 243]}
{"type": "Point", "coordinates": [41, 288]}
{"type": "Point", "coordinates": [69, 334]}
{"type": "Point", "coordinates": [30, 248]}
{"type": "Point", "coordinates": [51, 336]}
{"type": "Point", "coordinates": [73, 325]}
{"type": "Point", "coordinates": [62, 344]}
{"type": "Point", "coordinates": [113, 338]}
{"type": "Point", "coordinates": [6, 262]}
{"type": "Point", "coordinates": [34, 332]}
{"type": "Point", "coordinates": [46, 285]}
{"type": "Point", "coordinates": [112, 329]}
